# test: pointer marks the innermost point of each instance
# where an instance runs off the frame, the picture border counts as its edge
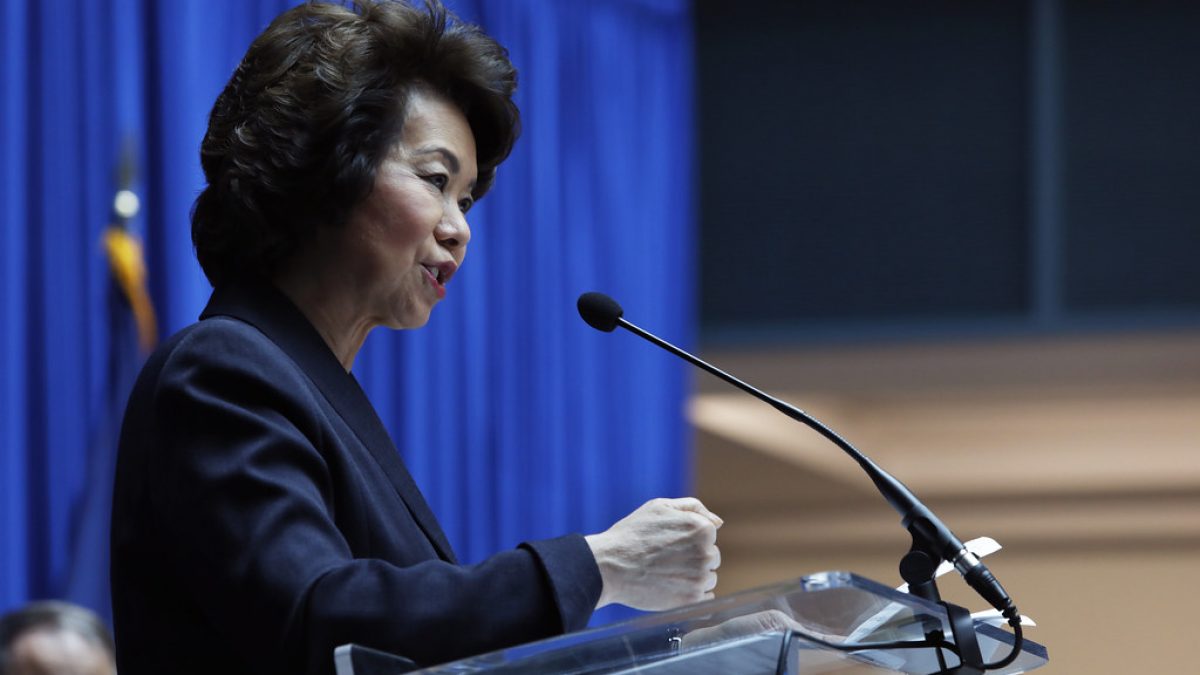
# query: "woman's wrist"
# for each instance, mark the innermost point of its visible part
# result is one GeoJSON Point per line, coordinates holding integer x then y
{"type": "Point", "coordinates": [601, 548]}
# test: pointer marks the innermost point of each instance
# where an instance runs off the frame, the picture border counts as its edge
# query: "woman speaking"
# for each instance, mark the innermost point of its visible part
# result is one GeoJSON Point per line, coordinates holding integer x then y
{"type": "Point", "coordinates": [262, 514]}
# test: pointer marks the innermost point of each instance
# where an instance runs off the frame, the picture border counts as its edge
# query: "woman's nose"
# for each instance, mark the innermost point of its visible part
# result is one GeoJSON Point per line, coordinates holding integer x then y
{"type": "Point", "coordinates": [454, 232]}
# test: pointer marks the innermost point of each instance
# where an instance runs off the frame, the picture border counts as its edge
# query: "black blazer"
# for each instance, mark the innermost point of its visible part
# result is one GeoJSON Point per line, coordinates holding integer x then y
{"type": "Point", "coordinates": [262, 517]}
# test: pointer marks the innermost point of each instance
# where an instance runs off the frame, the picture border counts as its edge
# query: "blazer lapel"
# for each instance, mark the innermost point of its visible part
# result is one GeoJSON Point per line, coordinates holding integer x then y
{"type": "Point", "coordinates": [264, 307]}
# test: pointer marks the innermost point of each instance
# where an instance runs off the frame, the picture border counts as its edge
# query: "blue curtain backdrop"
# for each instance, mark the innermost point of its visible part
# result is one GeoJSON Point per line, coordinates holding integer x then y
{"type": "Point", "coordinates": [517, 420]}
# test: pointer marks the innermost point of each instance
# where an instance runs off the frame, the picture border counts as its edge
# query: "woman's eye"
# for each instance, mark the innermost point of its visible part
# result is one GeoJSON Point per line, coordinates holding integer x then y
{"type": "Point", "coordinates": [438, 180]}
{"type": "Point", "coordinates": [465, 205]}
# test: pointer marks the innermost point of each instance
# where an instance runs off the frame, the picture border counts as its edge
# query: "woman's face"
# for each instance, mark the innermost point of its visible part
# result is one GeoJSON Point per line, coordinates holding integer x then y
{"type": "Point", "coordinates": [409, 236]}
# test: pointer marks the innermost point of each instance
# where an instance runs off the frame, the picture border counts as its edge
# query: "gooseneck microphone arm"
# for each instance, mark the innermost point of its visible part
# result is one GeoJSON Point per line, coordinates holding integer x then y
{"type": "Point", "coordinates": [604, 314]}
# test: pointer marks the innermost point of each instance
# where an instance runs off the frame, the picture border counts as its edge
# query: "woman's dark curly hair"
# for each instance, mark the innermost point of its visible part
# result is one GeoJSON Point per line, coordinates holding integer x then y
{"type": "Point", "coordinates": [295, 139]}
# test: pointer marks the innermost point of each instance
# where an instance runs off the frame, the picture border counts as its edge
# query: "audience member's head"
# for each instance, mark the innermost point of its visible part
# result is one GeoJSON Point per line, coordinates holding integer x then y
{"type": "Point", "coordinates": [54, 638]}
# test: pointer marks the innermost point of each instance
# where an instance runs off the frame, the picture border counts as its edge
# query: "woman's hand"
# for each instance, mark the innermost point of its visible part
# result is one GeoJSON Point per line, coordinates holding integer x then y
{"type": "Point", "coordinates": [663, 555]}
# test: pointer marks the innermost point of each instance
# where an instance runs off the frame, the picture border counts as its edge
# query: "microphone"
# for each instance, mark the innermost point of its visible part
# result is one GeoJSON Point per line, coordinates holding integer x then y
{"type": "Point", "coordinates": [599, 311]}
{"type": "Point", "coordinates": [605, 314]}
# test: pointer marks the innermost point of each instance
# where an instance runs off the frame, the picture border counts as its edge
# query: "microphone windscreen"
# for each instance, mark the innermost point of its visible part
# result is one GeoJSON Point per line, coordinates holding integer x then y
{"type": "Point", "coordinates": [599, 311]}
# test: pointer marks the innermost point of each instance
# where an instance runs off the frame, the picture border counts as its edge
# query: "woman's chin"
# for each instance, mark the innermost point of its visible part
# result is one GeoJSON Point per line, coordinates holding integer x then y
{"type": "Point", "coordinates": [411, 319]}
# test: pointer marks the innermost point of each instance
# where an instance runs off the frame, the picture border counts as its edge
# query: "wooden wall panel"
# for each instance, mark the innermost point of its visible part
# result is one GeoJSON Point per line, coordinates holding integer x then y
{"type": "Point", "coordinates": [1080, 455]}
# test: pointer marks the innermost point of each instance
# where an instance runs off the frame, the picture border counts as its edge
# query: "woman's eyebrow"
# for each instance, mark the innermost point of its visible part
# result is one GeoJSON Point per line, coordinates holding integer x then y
{"type": "Point", "coordinates": [449, 156]}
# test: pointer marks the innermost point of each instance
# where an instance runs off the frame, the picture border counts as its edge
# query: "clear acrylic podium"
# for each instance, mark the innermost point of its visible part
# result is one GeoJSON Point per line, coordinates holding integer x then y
{"type": "Point", "coordinates": [822, 623]}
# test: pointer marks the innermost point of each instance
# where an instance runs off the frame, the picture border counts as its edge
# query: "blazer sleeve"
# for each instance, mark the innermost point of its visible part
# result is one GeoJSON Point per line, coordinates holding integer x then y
{"type": "Point", "coordinates": [242, 497]}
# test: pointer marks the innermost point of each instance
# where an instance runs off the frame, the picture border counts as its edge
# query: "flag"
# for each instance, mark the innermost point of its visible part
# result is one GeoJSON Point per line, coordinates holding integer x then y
{"type": "Point", "coordinates": [132, 333]}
